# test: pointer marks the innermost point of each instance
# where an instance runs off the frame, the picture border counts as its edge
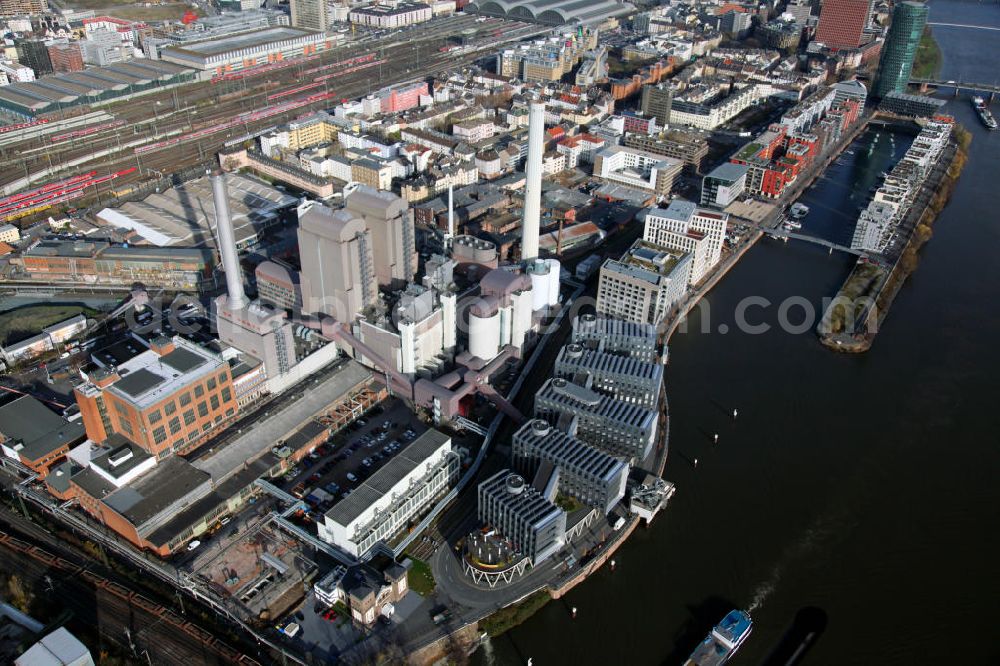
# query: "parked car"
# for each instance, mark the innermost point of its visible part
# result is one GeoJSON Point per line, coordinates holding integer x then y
{"type": "Point", "coordinates": [330, 615]}
{"type": "Point", "coordinates": [194, 544]}
{"type": "Point", "coordinates": [351, 477]}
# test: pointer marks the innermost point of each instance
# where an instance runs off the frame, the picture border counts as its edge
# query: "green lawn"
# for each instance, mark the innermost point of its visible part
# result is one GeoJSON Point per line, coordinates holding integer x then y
{"type": "Point", "coordinates": [927, 63]}
{"type": "Point", "coordinates": [22, 323]}
{"type": "Point", "coordinates": [508, 618]}
{"type": "Point", "coordinates": [419, 577]}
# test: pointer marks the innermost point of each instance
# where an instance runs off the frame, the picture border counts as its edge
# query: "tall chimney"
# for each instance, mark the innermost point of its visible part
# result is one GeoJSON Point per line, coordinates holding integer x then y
{"type": "Point", "coordinates": [227, 242]}
{"type": "Point", "coordinates": [451, 216]}
{"type": "Point", "coordinates": [533, 177]}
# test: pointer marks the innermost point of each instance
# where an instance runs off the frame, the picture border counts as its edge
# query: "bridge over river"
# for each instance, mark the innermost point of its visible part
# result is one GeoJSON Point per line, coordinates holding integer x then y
{"type": "Point", "coordinates": [785, 235]}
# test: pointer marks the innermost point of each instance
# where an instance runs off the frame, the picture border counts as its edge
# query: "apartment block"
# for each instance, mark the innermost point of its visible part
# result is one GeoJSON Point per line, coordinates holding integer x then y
{"type": "Point", "coordinates": [685, 227]}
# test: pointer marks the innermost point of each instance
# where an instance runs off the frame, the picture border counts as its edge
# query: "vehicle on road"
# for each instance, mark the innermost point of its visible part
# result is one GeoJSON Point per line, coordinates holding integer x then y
{"type": "Point", "coordinates": [194, 544]}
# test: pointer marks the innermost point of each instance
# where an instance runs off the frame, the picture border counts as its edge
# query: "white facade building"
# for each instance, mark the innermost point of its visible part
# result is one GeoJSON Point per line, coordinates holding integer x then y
{"type": "Point", "coordinates": [686, 227]}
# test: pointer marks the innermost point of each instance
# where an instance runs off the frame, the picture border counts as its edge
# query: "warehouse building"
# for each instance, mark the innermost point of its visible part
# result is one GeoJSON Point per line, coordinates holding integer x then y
{"type": "Point", "coordinates": [177, 216]}
{"type": "Point", "coordinates": [94, 85]}
{"type": "Point", "coordinates": [519, 511]}
{"type": "Point", "coordinates": [618, 427]}
{"type": "Point", "coordinates": [232, 53]}
{"type": "Point", "coordinates": [585, 473]}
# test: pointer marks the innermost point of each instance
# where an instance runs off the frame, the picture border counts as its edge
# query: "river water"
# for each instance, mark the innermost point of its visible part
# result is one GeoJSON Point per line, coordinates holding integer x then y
{"type": "Point", "coordinates": [865, 486]}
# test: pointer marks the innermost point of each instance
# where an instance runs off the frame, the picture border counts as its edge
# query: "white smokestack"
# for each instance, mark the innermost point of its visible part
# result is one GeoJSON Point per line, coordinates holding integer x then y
{"type": "Point", "coordinates": [227, 243]}
{"type": "Point", "coordinates": [533, 177]}
{"type": "Point", "coordinates": [451, 216]}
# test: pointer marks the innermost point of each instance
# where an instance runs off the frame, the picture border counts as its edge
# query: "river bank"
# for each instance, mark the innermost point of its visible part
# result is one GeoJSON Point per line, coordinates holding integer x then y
{"type": "Point", "coordinates": [856, 313]}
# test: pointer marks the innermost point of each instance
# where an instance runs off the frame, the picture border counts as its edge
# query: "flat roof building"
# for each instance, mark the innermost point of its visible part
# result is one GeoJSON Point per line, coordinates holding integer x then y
{"type": "Point", "coordinates": [586, 473]}
{"type": "Point", "coordinates": [686, 227]}
{"type": "Point", "coordinates": [724, 184]}
{"type": "Point", "coordinates": [644, 284]}
{"type": "Point", "coordinates": [166, 399]}
{"type": "Point", "coordinates": [249, 49]}
{"type": "Point", "coordinates": [402, 490]}
{"type": "Point", "coordinates": [618, 427]}
{"type": "Point", "coordinates": [34, 435]}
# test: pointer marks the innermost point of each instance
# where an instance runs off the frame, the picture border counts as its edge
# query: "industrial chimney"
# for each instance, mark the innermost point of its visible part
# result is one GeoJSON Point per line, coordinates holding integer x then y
{"type": "Point", "coordinates": [533, 177]}
{"type": "Point", "coordinates": [227, 243]}
{"type": "Point", "coordinates": [451, 218]}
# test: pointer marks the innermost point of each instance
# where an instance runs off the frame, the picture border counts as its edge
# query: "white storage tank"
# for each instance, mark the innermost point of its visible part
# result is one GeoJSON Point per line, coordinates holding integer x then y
{"type": "Point", "coordinates": [522, 318]}
{"type": "Point", "coordinates": [553, 279]}
{"type": "Point", "coordinates": [539, 273]}
{"type": "Point", "coordinates": [484, 330]}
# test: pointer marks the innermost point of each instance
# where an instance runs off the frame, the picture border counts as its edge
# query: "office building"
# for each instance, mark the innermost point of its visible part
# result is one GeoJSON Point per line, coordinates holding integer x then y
{"type": "Point", "coordinates": [104, 47]}
{"type": "Point", "coordinates": [310, 14]}
{"type": "Point", "coordinates": [919, 106]}
{"type": "Point", "coordinates": [338, 273]}
{"type": "Point", "coordinates": [801, 12]}
{"type": "Point", "coordinates": [901, 44]}
{"type": "Point", "coordinates": [586, 473]}
{"type": "Point", "coordinates": [656, 100]}
{"type": "Point", "coordinates": [35, 436]}
{"type": "Point", "coordinates": [723, 185]}
{"type": "Point", "coordinates": [535, 526]}
{"type": "Point", "coordinates": [842, 23]}
{"type": "Point", "coordinates": [619, 336]}
{"type": "Point", "coordinates": [644, 284]}
{"type": "Point", "coordinates": [619, 376]}
{"type": "Point", "coordinates": [779, 34]}
{"type": "Point", "coordinates": [618, 427]}
{"type": "Point", "coordinates": [735, 23]}
{"type": "Point", "coordinates": [685, 227]}
{"type": "Point", "coordinates": [637, 169]}
{"type": "Point", "coordinates": [393, 497]}
{"type": "Point", "coordinates": [166, 399]}
{"type": "Point", "coordinates": [390, 223]}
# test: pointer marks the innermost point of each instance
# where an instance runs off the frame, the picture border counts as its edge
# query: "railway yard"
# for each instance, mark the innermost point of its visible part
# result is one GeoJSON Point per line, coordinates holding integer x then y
{"type": "Point", "coordinates": [142, 140]}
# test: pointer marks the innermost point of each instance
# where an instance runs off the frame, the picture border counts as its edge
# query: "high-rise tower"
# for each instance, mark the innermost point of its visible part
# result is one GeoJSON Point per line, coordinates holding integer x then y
{"type": "Point", "coordinates": [908, 21]}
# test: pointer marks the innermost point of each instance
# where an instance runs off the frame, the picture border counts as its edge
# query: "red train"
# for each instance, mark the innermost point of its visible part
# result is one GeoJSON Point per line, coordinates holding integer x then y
{"type": "Point", "coordinates": [11, 128]}
{"type": "Point", "coordinates": [21, 204]}
{"type": "Point", "coordinates": [87, 131]}
{"type": "Point", "coordinates": [292, 91]}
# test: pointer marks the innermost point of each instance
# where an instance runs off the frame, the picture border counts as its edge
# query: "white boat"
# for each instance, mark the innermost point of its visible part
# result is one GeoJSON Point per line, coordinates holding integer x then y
{"type": "Point", "coordinates": [792, 224]}
{"type": "Point", "coordinates": [799, 210]}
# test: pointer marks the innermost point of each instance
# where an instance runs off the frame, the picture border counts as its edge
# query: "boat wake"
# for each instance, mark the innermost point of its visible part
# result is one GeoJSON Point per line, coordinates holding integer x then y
{"type": "Point", "coordinates": [761, 594]}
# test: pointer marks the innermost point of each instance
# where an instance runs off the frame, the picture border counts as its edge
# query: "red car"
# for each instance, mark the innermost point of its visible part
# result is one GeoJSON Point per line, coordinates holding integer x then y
{"type": "Point", "coordinates": [330, 615]}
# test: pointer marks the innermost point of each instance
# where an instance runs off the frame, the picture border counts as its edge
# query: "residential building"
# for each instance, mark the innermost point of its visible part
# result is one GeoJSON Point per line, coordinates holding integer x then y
{"type": "Point", "coordinates": [656, 101]}
{"type": "Point", "coordinates": [586, 473]}
{"type": "Point", "coordinates": [685, 227]}
{"type": "Point", "coordinates": [310, 14]}
{"type": "Point", "coordinates": [368, 590]}
{"type": "Point", "coordinates": [644, 284]}
{"type": "Point", "coordinates": [9, 234]}
{"type": "Point", "coordinates": [166, 399]}
{"type": "Point", "coordinates": [723, 185]}
{"type": "Point", "coordinates": [842, 23]}
{"type": "Point", "coordinates": [104, 47]}
{"type": "Point", "coordinates": [637, 169]}
{"type": "Point", "coordinates": [618, 427]}
{"type": "Point", "coordinates": [23, 7]}
{"type": "Point", "coordinates": [390, 499]}
{"type": "Point", "coordinates": [386, 16]}
{"type": "Point", "coordinates": [66, 57]}
{"type": "Point", "coordinates": [901, 44]}
{"type": "Point", "coordinates": [534, 525]}
{"type": "Point", "coordinates": [686, 145]}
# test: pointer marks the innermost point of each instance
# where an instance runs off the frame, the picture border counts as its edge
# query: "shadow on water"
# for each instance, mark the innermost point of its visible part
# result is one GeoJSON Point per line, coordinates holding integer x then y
{"type": "Point", "coordinates": [803, 633]}
{"type": "Point", "coordinates": [701, 619]}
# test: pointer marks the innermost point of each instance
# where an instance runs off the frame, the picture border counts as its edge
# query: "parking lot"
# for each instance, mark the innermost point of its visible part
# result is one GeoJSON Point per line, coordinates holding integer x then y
{"type": "Point", "coordinates": [334, 469]}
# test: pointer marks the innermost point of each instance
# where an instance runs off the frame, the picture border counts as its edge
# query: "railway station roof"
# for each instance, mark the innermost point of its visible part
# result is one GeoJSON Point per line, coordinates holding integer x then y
{"type": "Point", "coordinates": [551, 12]}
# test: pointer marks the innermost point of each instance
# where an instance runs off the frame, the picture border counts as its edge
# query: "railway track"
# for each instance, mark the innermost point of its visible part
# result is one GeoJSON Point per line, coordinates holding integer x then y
{"type": "Point", "coordinates": [162, 633]}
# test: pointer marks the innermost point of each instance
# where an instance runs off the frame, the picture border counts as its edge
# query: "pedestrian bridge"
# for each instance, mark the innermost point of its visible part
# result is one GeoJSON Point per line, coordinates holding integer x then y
{"type": "Point", "coordinates": [991, 88]}
{"type": "Point", "coordinates": [785, 234]}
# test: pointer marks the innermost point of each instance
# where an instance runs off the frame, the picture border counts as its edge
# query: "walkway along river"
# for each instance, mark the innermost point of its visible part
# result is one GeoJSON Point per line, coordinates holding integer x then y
{"type": "Point", "coordinates": [861, 485]}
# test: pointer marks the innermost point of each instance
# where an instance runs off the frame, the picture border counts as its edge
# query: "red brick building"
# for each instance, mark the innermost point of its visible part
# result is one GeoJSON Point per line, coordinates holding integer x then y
{"type": "Point", "coordinates": [842, 23]}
